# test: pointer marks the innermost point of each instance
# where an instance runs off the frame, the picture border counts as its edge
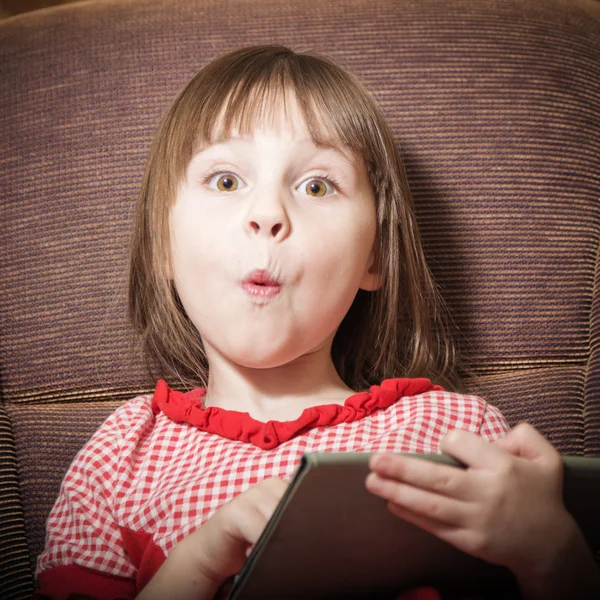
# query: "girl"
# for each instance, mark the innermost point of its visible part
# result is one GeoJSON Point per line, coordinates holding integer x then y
{"type": "Point", "coordinates": [276, 269]}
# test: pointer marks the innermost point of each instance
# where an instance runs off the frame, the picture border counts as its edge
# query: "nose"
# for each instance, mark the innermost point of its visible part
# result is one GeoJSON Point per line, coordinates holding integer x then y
{"type": "Point", "coordinates": [268, 217]}
{"type": "Point", "coordinates": [275, 229]}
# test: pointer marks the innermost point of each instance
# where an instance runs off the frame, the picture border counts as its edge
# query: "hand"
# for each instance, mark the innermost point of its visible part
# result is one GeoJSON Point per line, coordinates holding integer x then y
{"type": "Point", "coordinates": [506, 507]}
{"type": "Point", "coordinates": [222, 544]}
{"type": "Point", "coordinates": [198, 565]}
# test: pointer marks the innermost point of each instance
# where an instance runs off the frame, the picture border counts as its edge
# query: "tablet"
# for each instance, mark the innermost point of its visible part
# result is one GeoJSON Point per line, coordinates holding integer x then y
{"type": "Point", "coordinates": [329, 537]}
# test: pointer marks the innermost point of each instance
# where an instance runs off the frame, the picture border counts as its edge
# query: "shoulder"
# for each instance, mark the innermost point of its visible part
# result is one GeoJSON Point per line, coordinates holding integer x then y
{"type": "Point", "coordinates": [131, 415]}
{"type": "Point", "coordinates": [479, 416]}
{"type": "Point", "coordinates": [461, 410]}
{"type": "Point", "coordinates": [123, 429]}
{"type": "Point", "coordinates": [421, 393]}
{"type": "Point", "coordinates": [426, 416]}
{"type": "Point", "coordinates": [469, 409]}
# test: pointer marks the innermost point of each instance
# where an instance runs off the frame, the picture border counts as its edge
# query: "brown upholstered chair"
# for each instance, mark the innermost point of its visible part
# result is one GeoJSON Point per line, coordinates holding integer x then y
{"type": "Point", "coordinates": [496, 106]}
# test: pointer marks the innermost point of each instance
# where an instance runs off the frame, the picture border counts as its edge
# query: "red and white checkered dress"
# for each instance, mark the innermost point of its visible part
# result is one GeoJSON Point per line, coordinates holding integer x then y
{"type": "Point", "coordinates": [162, 464]}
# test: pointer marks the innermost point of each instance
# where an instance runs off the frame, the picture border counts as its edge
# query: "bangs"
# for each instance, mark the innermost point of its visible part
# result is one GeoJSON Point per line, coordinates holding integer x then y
{"type": "Point", "coordinates": [266, 104]}
{"type": "Point", "coordinates": [241, 92]}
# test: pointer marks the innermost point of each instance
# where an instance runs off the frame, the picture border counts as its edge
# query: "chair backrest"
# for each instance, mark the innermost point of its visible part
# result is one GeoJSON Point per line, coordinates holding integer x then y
{"type": "Point", "coordinates": [495, 105]}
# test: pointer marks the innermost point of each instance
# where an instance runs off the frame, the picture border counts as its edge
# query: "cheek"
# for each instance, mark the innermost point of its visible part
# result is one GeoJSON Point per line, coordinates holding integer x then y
{"type": "Point", "coordinates": [345, 246]}
{"type": "Point", "coordinates": [197, 237]}
{"type": "Point", "coordinates": [198, 270]}
{"type": "Point", "coordinates": [192, 262]}
{"type": "Point", "coordinates": [335, 271]}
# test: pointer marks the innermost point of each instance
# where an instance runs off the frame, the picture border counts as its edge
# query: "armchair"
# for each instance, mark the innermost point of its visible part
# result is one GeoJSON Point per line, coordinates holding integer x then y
{"type": "Point", "coordinates": [495, 105]}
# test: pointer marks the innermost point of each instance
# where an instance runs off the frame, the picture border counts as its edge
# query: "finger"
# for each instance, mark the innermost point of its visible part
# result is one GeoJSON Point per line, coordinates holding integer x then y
{"type": "Point", "coordinates": [429, 525]}
{"type": "Point", "coordinates": [275, 486]}
{"type": "Point", "coordinates": [442, 479]}
{"type": "Point", "coordinates": [456, 536]}
{"type": "Point", "coordinates": [473, 450]}
{"type": "Point", "coordinates": [508, 443]}
{"type": "Point", "coordinates": [526, 441]}
{"type": "Point", "coordinates": [247, 523]}
{"type": "Point", "coordinates": [421, 502]}
{"type": "Point", "coordinates": [268, 495]}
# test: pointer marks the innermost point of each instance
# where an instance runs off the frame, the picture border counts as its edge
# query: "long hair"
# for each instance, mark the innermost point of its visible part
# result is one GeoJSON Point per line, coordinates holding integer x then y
{"type": "Point", "coordinates": [399, 330]}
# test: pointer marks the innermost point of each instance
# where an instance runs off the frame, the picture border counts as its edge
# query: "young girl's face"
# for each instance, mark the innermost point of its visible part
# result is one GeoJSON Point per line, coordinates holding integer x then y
{"type": "Point", "coordinates": [272, 236]}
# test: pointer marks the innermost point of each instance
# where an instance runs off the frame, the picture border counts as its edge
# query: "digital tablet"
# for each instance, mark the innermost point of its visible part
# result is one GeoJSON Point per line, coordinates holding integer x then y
{"type": "Point", "coordinates": [329, 537]}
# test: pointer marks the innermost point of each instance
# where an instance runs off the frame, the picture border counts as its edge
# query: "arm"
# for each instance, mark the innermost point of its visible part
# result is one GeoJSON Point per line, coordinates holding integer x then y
{"type": "Point", "coordinates": [562, 565]}
{"type": "Point", "coordinates": [568, 570]}
{"type": "Point", "coordinates": [83, 554]}
{"type": "Point", "coordinates": [181, 578]}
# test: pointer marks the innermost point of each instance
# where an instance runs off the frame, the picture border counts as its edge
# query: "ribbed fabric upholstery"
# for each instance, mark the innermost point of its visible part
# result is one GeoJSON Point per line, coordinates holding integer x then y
{"type": "Point", "coordinates": [15, 573]}
{"type": "Point", "coordinates": [495, 105]}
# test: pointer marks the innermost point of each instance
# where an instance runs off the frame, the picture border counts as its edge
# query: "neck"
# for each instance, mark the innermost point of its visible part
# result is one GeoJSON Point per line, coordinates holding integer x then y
{"type": "Point", "coordinates": [278, 393]}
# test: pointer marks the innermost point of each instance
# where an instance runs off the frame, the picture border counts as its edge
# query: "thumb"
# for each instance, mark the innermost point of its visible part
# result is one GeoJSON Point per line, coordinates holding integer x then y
{"type": "Point", "coordinates": [509, 443]}
{"type": "Point", "coordinates": [526, 441]}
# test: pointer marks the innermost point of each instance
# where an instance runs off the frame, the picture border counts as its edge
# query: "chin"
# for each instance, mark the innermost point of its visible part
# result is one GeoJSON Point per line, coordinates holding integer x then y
{"type": "Point", "coordinates": [265, 357]}
{"type": "Point", "coordinates": [263, 361]}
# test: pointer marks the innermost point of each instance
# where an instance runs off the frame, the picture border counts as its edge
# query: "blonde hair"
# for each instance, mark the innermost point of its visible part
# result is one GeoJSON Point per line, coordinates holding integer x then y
{"type": "Point", "coordinates": [399, 330]}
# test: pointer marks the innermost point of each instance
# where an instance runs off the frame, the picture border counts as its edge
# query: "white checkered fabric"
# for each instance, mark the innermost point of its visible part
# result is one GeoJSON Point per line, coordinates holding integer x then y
{"type": "Point", "coordinates": [150, 474]}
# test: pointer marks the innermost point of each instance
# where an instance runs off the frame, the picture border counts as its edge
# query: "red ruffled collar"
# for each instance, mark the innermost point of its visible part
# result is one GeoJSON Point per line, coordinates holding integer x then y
{"type": "Point", "coordinates": [186, 407]}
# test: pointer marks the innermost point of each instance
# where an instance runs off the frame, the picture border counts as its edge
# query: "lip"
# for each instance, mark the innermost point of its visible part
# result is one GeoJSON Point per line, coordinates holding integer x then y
{"type": "Point", "coordinates": [260, 283]}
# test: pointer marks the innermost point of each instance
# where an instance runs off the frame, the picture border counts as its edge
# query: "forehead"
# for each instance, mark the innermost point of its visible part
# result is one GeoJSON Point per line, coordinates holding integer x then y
{"type": "Point", "coordinates": [283, 115]}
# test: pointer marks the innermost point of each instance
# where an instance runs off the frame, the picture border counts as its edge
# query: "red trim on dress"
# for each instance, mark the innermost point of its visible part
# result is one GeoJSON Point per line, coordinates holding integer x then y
{"type": "Point", "coordinates": [144, 554]}
{"type": "Point", "coordinates": [187, 407]}
{"type": "Point", "coordinates": [64, 581]}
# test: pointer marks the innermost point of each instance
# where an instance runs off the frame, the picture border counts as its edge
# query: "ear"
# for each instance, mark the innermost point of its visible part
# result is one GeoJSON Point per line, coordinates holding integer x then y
{"type": "Point", "coordinates": [372, 279]}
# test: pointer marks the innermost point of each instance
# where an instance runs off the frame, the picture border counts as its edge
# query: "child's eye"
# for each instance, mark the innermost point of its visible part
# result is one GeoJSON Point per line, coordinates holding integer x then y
{"type": "Point", "coordinates": [224, 182]}
{"type": "Point", "coordinates": [316, 187]}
